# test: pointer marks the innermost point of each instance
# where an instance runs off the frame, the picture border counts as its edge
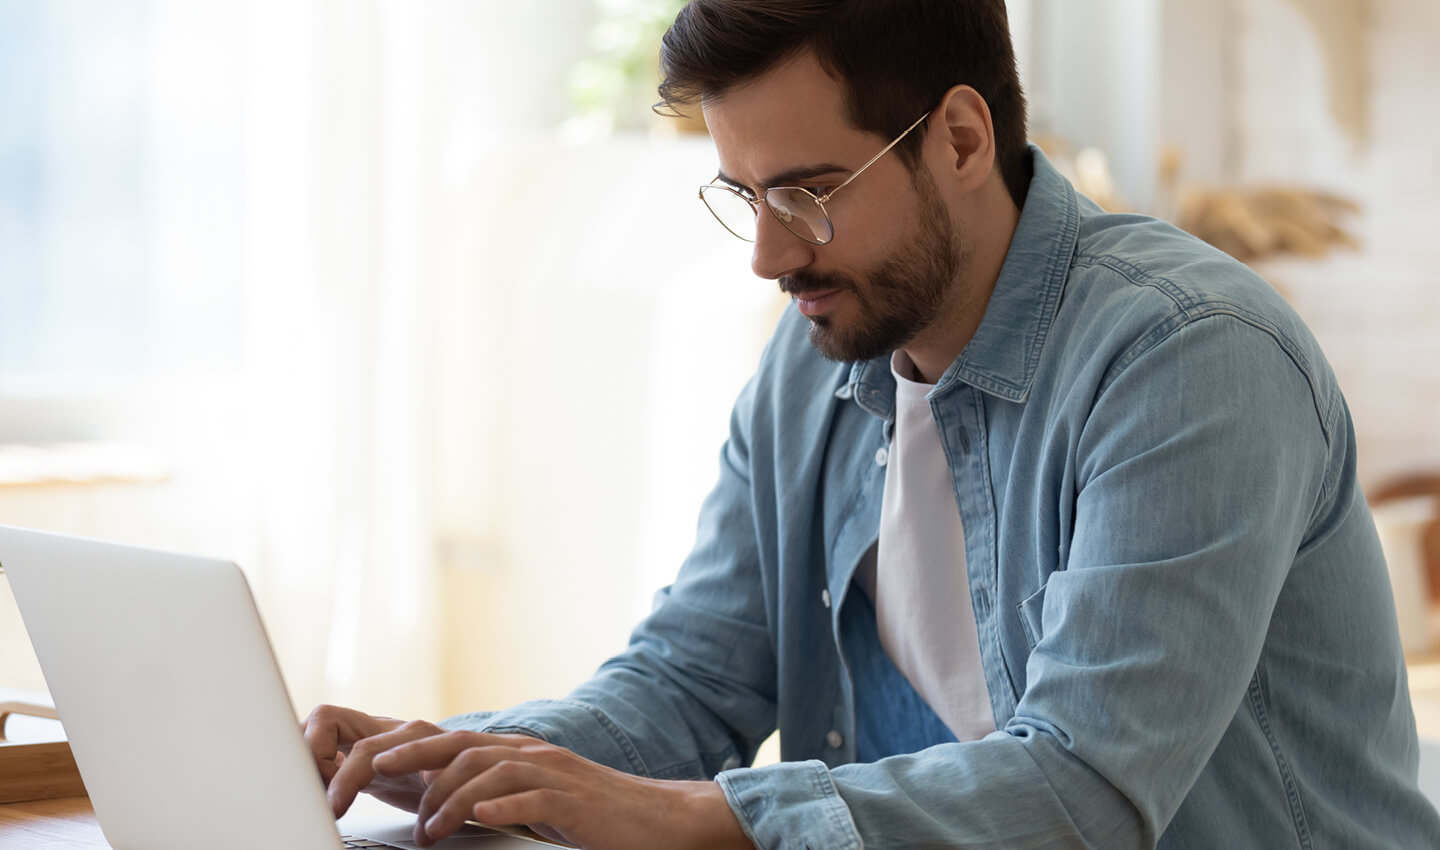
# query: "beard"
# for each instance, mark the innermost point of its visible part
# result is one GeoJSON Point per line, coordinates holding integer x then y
{"type": "Point", "coordinates": [898, 298]}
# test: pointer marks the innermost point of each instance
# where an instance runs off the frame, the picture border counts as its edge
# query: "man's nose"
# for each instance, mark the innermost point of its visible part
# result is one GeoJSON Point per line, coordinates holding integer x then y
{"type": "Point", "coordinates": [777, 251]}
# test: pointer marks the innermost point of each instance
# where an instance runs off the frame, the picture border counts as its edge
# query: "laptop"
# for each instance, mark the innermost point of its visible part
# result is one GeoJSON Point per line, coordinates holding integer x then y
{"type": "Point", "coordinates": [174, 705]}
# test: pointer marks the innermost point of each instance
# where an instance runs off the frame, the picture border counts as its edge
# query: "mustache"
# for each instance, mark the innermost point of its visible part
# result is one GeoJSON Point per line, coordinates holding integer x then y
{"type": "Point", "coordinates": [804, 282]}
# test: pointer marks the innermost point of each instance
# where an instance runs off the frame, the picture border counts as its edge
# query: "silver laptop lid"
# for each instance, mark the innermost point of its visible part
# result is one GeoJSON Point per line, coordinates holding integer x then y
{"type": "Point", "coordinates": [171, 699]}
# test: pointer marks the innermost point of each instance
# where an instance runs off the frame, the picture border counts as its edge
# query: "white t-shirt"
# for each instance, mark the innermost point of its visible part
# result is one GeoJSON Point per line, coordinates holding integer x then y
{"type": "Point", "coordinates": [917, 579]}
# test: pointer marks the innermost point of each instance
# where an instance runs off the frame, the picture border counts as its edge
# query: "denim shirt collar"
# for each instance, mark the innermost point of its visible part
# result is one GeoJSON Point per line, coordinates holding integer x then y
{"type": "Point", "coordinates": [1002, 357]}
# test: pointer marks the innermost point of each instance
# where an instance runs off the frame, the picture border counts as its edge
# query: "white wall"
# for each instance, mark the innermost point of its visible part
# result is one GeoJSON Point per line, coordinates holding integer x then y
{"type": "Point", "coordinates": [1376, 310]}
{"type": "Point", "coordinates": [1093, 79]}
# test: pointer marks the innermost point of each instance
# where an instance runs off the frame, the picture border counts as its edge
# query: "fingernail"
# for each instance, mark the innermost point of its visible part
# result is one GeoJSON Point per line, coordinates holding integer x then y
{"type": "Point", "coordinates": [432, 825]}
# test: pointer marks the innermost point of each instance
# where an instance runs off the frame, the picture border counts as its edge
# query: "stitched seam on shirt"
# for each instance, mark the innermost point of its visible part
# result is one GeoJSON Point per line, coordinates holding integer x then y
{"type": "Point", "coordinates": [839, 814]}
{"type": "Point", "coordinates": [992, 647]}
{"type": "Point", "coordinates": [1287, 777]}
{"type": "Point", "coordinates": [858, 494]}
{"type": "Point", "coordinates": [1058, 276]}
{"type": "Point", "coordinates": [1139, 277]}
{"type": "Point", "coordinates": [1333, 471]}
{"type": "Point", "coordinates": [1192, 310]}
{"type": "Point", "coordinates": [621, 740]}
{"type": "Point", "coordinates": [1033, 633]}
{"type": "Point", "coordinates": [741, 807]}
{"type": "Point", "coordinates": [1167, 329]}
{"type": "Point", "coordinates": [1052, 285]}
{"type": "Point", "coordinates": [994, 684]}
{"type": "Point", "coordinates": [1057, 279]}
{"type": "Point", "coordinates": [517, 729]}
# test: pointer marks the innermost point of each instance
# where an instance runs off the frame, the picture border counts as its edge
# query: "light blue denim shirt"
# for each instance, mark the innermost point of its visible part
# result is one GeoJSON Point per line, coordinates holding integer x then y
{"type": "Point", "coordinates": [1184, 617]}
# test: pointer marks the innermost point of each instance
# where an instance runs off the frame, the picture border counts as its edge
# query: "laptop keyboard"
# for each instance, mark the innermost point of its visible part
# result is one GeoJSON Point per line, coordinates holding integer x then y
{"type": "Point", "coordinates": [350, 842]}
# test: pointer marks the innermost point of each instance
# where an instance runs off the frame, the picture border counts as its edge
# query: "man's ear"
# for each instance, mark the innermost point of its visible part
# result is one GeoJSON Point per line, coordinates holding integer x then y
{"type": "Point", "coordinates": [965, 146]}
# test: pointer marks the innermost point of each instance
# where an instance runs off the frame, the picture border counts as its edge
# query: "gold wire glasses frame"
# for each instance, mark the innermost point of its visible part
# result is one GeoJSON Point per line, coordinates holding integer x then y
{"type": "Point", "coordinates": [800, 210]}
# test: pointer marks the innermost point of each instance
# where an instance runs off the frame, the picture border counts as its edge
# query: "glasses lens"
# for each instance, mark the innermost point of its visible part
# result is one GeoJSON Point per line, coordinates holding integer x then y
{"type": "Point", "coordinates": [732, 210]}
{"type": "Point", "coordinates": [798, 210]}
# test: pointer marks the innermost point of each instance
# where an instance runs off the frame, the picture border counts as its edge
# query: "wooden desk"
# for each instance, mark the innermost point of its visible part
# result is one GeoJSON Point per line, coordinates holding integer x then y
{"type": "Point", "coordinates": [50, 825]}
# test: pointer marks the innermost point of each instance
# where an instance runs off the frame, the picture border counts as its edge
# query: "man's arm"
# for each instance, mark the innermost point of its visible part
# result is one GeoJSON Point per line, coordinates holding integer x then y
{"type": "Point", "coordinates": [447, 778]}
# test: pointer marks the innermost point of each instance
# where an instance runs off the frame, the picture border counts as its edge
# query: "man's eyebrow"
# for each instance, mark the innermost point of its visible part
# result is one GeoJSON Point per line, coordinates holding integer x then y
{"type": "Point", "coordinates": [790, 177]}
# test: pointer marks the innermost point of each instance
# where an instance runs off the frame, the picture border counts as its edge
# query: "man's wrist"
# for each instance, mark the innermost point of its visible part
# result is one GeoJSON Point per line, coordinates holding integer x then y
{"type": "Point", "coordinates": [717, 828]}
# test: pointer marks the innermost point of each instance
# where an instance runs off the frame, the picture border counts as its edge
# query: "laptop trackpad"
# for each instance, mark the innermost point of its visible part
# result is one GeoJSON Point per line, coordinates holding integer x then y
{"type": "Point", "coordinates": [370, 818]}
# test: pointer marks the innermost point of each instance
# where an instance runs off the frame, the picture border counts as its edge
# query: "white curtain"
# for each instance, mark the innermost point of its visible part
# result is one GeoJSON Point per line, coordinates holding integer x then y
{"type": "Point", "coordinates": [448, 388]}
{"type": "Point", "coordinates": [335, 365]}
{"type": "Point", "coordinates": [494, 368]}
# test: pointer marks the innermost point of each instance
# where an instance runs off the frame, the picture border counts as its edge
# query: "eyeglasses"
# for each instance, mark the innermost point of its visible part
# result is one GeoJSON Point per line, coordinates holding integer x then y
{"type": "Point", "coordinates": [801, 211]}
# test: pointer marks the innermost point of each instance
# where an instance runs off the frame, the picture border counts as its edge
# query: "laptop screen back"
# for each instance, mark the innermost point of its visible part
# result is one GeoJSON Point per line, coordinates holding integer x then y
{"type": "Point", "coordinates": [169, 694]}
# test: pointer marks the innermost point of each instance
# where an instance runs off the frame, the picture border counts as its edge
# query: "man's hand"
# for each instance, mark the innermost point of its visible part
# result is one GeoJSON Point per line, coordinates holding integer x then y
{"type": "Point", "coordinates": [345, 742]}
{"type": "Point", "coordinates": [508, 780]}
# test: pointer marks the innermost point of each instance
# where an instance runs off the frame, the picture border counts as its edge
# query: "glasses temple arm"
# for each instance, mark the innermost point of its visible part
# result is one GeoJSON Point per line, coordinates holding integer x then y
{"type": "Point", "coordinates": [871, 161]}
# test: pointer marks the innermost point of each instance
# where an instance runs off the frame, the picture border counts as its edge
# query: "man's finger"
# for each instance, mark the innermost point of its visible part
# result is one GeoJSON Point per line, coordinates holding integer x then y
{"type": "Point", "coordinates": [503, 780]}
{"type": "Point", "coordinates": [430, 753]}
{"type": "Point", "coordinates": [357, 769]}
{"type": "Point", "coordinates": [330, 729]}
{"type": "Point", "coordinates": [542, 809]}
{"type": "Point", "coordinates": [436, 752]}
{"type": "Point", "coordinates": [321, 732]}
{"type": "Point", "coordinates": [463, 775]}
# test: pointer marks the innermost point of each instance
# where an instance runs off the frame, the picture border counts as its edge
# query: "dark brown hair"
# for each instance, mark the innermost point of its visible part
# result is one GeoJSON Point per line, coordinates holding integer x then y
{"type": "Point", "coordinates": [895, 59]}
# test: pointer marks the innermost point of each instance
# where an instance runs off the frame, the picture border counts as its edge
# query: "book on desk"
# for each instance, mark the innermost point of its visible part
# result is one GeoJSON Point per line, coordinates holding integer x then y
{"type": "Point", "coordinates": [35, 759]}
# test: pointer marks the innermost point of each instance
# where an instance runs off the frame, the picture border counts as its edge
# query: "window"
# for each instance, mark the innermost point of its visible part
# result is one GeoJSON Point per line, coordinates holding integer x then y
{"type": "Point", "coordinates": [120, 194]}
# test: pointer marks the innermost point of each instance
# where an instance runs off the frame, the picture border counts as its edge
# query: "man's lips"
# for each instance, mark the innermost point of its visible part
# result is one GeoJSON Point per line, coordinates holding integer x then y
{"type": "Point", "coordinates": [815, 303]}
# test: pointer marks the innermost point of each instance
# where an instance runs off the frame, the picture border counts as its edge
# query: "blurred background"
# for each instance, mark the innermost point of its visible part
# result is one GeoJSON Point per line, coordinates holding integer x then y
{"type": "Point", "coordinates": [410, 308]}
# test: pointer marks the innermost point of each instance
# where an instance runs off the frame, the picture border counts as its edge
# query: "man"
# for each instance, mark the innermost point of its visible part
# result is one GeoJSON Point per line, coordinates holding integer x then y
{"type": "Point", "coordinates": [1036, 526]}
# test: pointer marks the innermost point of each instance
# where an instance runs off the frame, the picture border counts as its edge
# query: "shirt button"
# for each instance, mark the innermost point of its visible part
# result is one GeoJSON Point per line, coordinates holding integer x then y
{"type": "Point", "coordinates": [844, 393]}
{"type": "Point", "coordinates": [825, 597]}
{"type": "Point", "coordinates": [882, 456]}
{"type": "Point", "coordinates": [834, 740]}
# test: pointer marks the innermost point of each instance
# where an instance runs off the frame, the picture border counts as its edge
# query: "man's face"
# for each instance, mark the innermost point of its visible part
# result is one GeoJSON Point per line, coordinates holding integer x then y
{"type": "Point", "coordinates": [896, 255]}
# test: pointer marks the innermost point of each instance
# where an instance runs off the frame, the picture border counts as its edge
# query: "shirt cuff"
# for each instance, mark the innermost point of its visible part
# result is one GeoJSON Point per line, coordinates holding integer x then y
{"type": "Point", "coordinates": [790, 806]}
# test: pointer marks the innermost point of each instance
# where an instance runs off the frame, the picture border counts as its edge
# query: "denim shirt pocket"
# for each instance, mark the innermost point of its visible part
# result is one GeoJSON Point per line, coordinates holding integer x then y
{"type": "Point", "coordinates": [1030, 610]}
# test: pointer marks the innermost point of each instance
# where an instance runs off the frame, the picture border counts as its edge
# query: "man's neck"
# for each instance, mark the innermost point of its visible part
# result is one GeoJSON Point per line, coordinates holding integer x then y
{"type": "Point", "coordinates": [988, 238]}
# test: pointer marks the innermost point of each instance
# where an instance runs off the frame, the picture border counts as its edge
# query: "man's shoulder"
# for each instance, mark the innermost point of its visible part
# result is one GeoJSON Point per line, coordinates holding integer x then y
{"type": "Point", "coordinates": [1141, 255]}
{"type": "Point", "coordinates": [1142, 277]}
{"type": "Point", "coordinates": [1137, 282]}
